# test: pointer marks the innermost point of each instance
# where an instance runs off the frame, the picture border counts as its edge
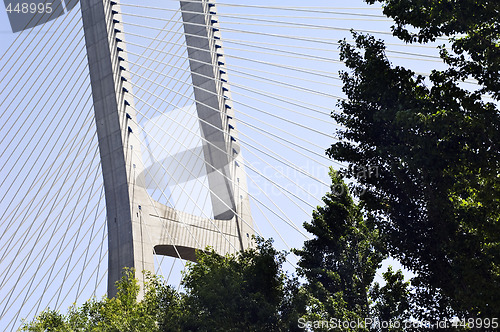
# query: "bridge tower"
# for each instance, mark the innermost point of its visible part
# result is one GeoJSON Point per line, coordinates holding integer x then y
{"type": "Point", "coordinates": [138, 226]}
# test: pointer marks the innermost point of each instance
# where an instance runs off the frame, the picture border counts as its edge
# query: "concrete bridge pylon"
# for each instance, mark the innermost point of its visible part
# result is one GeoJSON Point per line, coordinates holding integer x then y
{"type": "Point", "coordinates": [138, 226]}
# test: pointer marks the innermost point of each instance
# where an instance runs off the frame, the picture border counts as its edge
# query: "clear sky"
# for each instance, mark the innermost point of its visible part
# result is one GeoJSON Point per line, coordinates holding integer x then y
{"type": "Point", "coordinates": [282, 60]}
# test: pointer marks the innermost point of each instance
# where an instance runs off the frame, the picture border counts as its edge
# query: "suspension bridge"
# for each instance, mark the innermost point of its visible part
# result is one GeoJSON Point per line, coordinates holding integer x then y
{"type": "Point", "coordinates": [134, 133]}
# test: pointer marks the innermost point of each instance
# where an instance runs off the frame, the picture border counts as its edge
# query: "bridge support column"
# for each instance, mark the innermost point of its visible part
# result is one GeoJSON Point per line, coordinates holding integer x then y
{"type": "Point", "coordinates": [138, 227]}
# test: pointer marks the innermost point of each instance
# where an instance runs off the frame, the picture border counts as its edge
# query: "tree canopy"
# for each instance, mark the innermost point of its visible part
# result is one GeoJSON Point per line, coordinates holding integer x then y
{"type": "Point", "coordinates": [248, 291]}
{"type": "Point", "coordinates": [473, 28]}
{"type": "Point", "coordinates": [121, 313]}
{"type": "Point", "coordinates": [341, 260]}
{"type": "Point", "coordinates": [436, 147]}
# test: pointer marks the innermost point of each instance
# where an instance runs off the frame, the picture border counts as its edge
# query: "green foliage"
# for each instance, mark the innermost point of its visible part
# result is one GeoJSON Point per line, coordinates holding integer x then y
{"type": "Point", "coordinates": [244, 292]}
{"type": "Point", "coordinates": [341, 260]}
{"type": "Point", "coordinates": [473, 28]}
{"type": "Point", "coordinates": [391, 301]}
{"type": "Point", "coordinates": [249, 291]}
{"type": "Point", "coordinates": [436, 196]}
{"type": "Point", "coordinates": [120, 314]}
{"type": "Point", "coordinates": [48, 320]}
{"type": "Point", "coordinates": [340, 263]}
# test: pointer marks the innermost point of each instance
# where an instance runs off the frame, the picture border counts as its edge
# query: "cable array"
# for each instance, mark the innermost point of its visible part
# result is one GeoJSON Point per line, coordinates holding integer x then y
{"type": "Point", "coordinates": [280, 68]}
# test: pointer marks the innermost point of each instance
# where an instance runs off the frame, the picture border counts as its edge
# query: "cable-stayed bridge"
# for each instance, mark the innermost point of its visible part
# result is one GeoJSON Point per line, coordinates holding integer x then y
{"type": "Point", "coordinates": [275, 71]}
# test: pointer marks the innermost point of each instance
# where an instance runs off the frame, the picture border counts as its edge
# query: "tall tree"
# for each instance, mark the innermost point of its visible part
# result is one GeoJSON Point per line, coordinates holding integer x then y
{"type": "Point", "coordinates": [340, 262]}
{"type": "Point", "coordinates": [435, 146]}
{"type": "Point", "coordinates": [248, 291]}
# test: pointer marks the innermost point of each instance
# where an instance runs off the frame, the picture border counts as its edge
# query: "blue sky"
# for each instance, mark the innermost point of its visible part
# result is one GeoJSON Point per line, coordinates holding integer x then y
{"type": "Point", "coordinates": [282, 61]}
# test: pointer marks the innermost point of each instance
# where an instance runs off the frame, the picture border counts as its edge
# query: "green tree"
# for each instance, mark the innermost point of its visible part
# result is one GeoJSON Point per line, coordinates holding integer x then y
{"type": "Point", "coordinates": [391, 302]}
{"type": "Point", "coordinates": [472, 26]}
{"type": "Point", "coordinates": [248, 291]}
{"type": "Point", "coordinates": [435, 145]}
{"type": "Point", "coordinates": [340, 263]}
{"type": "Point", "coordinates": [122, 313]}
